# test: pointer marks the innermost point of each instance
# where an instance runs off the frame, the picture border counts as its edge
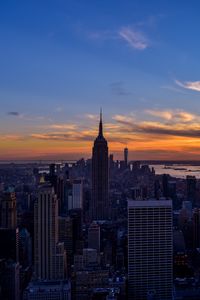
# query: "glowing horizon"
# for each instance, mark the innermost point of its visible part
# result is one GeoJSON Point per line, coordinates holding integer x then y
{"type": "Point", "coordinates": [169, 135]}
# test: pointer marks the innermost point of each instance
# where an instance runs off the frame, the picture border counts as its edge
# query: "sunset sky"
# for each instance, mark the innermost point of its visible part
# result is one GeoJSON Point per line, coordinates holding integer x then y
{"type": "Point", "coordinates": [61, 60]}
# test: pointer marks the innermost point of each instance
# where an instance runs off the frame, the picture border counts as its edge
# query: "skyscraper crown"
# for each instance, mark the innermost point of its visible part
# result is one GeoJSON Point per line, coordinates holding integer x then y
{"type": "Point", "coordinates": [100, 138]}
{"type": "Point", "coordinates": [100, 125]}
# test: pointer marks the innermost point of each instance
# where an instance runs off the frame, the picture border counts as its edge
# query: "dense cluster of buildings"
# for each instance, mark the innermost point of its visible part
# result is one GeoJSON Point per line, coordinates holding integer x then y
{"type": "Point", "coordinates": [98, 229]}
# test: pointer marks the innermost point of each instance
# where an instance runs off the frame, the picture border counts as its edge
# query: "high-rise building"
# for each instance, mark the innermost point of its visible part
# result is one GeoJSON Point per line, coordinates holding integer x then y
{"type": "Point", "coordinates": [150, 250]}
{"type": "Point", "coordinates": [196, 228]}
{"type": "Point", "coordinates": [165, 185]}
{"type": "Point", "coordinates": [94, 236]}
{"type": "Point", "coordinates": [76, 216]}
{"type": "Point", "coordinates": [60, 192]}
{"type": "Point", "coordinates": [100, 197]}
{"type": "Point", "coordinates": [47, 251]}
{"type": "Point", "coordinates": [8, 209]}
{"type": "Point", "coordinates": [68, 196]}
{"type": "Point", "coordinates": [25, 248]}
{"type": "Point", "coordinates": [9, 280]}
{"type": "Point", "coordinates": [126, 156]}
{"type": "Point", "coordinates": [9, 241]}
{"type": "Point", "coordinates": [77, 195]}
{"type": "Point", "coordinates": [191, 189]}
{"type": "Point", "coordinates": [65, 232]}
{"type": "Point", "coordinates": [111, 162]}
{"type": "Point", "coordinates": [52, 177]}
{"type": "Point", "coordinates": [187, 206]}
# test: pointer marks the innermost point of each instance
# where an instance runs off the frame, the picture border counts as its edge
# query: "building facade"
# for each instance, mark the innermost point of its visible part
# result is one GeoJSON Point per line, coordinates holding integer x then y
{"type": "Point", "coordinates": [94, 236]}
{"type": "Point", "coordinates": [8, 209]}
{"type": "Point", "coordinates": [150, 249]}
{"type": "Point", "coordinates": [48, 253]}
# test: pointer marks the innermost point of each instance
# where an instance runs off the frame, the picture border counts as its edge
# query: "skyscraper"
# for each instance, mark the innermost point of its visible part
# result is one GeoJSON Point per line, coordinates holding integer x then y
{"type": "Point", "coordinates": [100, 198]}
{"type": "Point", "coordinates": [191, 189]}
{"type": "Point", "coordinates": [9, 280]}
{"type": "Point", "coordinates": [9, 241]}
{"type": "Point", "coordinates": [126, 156]}
{"type": "Point", "coordinates": [165, 185]}
{"type": "Point", "coordinates": [8, 209]}
{"type": "Point", "coordinates": [48, 252]}
{"type": "Point", "coordinates": [150, 252]}
{"type": "Point", "coordinates": [196, 228]}
{"type": "Point", "coordinates": [94, 236]}
{"type": "Point", "coordinates": [77, 194]}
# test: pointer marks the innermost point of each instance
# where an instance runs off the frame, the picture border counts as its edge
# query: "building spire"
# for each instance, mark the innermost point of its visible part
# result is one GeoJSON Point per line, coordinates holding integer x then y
{"type": "Point", "coordinates": [100, 124]}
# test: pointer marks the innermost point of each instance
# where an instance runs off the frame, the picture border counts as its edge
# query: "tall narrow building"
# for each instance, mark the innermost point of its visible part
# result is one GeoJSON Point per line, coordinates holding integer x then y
{"type": "Point", "coordinates": [126, 156]}
{"type": "Point", "coordinates": [94, 236]}
{"type": "Point", "coordinates": [100, 200]}
{"type": "Point", "coordinates": [8, 209]}
{"type": "Point", "coordinates": [48, 252]}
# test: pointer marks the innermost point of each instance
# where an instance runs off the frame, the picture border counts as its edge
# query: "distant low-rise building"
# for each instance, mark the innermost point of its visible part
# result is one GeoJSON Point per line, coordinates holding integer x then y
{"type": "Point", "coordinates": [48, 290]}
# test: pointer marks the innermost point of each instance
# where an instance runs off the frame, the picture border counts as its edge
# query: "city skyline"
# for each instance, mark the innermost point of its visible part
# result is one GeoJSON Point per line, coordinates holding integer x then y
{"type": "Point", "coordinates": [140, 64]}
{"type": "Point", "coordinates": [99, 150]}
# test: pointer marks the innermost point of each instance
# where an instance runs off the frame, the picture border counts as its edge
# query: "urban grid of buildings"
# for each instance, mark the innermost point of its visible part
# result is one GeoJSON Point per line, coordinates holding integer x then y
{"type": "Point", "coordinates": [98, 229]}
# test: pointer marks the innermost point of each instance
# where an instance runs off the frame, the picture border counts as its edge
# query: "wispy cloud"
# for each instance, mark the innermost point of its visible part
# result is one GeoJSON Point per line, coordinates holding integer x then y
{"type": "Point", "coordinates": [119, 89]}
{"type": "Point", "coordinates": [123, 119]}
{"type": "Point", "coordinates": [14, 113]}
{"type": "Point", "coordinates": [190, 85]}
{"type": "Point", "coordinates": [131, 35]}
{"type": "Point", "coordinates": [62, 126]}
{"type": "Point", "coordinates": [183, 125]}
{"type": "Point", "coordinates": [167, 115]}
{"type": "Point", "coordinates": [66, 136]}
{"type": "Point", "coordinates": [12, 137]}
{"type": "Point", "coordinates": [176, 115]}
{"type": "Point", "coordinates": [178, 130]}
{"type": "Point", "coordinates": [94, 117]}
{"type": "Point", "coordinates": [134, 38]}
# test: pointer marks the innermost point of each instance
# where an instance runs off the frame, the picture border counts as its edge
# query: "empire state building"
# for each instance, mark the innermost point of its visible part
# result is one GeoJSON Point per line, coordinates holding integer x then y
{"type": "Point", "coordinates": [100, 199]}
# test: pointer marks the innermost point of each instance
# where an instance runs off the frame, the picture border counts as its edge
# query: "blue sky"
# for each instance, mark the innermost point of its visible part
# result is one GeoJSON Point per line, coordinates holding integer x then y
{"type": "Point", "coordinates": [61, 60]}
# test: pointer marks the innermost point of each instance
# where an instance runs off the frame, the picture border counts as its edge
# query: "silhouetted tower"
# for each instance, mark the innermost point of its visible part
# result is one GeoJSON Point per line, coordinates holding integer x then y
{"type": "Point", "coordinates": [100, 199]}
{"type": "Point", "coordinates": [196, 228]}
{"type": "Point", "coordinates": [165, 184]}
{"type": "Point", "coordinates": [126, 156]}
{"type": "Point", "coordinates": [191, 189]}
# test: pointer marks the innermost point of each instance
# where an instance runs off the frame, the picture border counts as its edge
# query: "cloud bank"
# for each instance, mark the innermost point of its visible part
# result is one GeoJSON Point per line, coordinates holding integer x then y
{"type": "Point", "coordinates": [148, 132]}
